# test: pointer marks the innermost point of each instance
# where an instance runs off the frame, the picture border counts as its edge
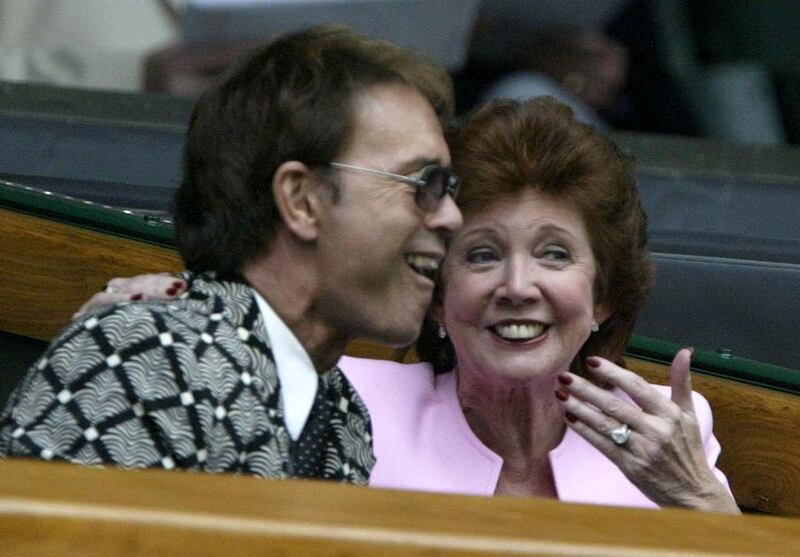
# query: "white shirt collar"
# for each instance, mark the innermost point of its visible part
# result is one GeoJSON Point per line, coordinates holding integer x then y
{"type": "Point", "coordinates": [296, 372]}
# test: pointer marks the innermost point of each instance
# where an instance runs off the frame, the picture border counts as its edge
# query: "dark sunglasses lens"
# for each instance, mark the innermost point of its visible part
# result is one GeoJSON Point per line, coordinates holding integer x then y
{"type": "Point", "coordinates": [436, 180]}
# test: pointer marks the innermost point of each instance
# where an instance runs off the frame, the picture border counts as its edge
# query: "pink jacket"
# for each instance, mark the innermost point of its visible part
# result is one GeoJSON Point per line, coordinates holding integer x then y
{"type": "Point", "coordinates": [422, 440]}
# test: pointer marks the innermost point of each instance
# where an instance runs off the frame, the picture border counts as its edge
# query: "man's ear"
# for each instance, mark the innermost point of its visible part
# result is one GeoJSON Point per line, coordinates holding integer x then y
{"type": "Point", "coordinates": [296, 192]}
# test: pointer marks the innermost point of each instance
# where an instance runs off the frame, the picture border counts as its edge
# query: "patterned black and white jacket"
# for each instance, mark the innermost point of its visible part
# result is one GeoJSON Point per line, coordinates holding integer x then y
{"type": "Point", "coordinates": [188, 383]}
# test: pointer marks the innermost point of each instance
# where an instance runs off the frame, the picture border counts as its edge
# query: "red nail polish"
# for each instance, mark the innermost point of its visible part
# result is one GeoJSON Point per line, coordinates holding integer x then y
{"type": "Point", "coordinates": [136, 297]}
{"type": "Point", "coordinates": [565, 379]}
{"type": "Point", "coordinates": [171, 291]}
{"type": "Point", "coordinates": [562, 395]}
{"type": "Point", "coordinates": [178, 284]}
{"type": "Point", "coordinates": [593, 361]}
{"type": "Point", "coordinates": [571, 418]}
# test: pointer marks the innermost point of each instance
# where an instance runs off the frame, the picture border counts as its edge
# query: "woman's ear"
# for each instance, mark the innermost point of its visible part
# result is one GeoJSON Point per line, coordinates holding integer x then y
{"type": "Point", "coordinates": [295, 189]}
{"type": "Point", "coordinates": [601, 313]}
{"type": "Point", "coordinates": [437, 313]}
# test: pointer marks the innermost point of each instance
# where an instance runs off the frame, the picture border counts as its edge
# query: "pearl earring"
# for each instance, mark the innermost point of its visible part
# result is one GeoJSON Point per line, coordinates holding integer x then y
{"type": "Point", "coordinates": [441, 332]}
{"type": "Point", "coordinates": [595, 326]}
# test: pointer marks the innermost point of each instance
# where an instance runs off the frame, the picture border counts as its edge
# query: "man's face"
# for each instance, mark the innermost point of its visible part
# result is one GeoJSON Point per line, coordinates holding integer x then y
{"type": "Point", "coordinates": [378, 249]}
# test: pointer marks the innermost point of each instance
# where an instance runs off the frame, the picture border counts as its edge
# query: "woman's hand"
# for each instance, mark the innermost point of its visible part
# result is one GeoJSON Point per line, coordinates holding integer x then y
{"type": "Point", "coordinates": [664, 455]}
{"type": "Point", "coordinates": [162, 286]}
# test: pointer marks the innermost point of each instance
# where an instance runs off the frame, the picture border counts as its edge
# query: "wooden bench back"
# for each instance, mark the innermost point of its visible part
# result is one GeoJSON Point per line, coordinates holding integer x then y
{"type": "Point", "coordinates": [49, 269]}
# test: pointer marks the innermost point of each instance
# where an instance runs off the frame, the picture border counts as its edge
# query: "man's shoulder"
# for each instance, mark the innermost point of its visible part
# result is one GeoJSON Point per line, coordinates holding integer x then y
{"type": "Point", "coordinates": [206, 300]}
{"type": "Point", "coordinates": [161, 337]}
{"type": "Point", "coordinates": [119, 363]}
{"type": "Point", "coordinates": [129, 323]}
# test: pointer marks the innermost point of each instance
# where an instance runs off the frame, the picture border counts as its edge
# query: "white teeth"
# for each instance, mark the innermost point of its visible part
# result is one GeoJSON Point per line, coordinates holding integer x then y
{"type": "Point", "coordinates": [522, 331]}
{"type": "Point", "coordinates": [422, 263]}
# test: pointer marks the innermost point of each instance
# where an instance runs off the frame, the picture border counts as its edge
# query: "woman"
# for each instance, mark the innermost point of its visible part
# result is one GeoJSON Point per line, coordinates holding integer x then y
{"type": "Point", "coordinates": [522, 392]}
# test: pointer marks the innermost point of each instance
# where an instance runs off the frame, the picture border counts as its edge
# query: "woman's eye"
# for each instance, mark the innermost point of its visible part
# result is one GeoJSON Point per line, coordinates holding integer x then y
{"type": "Point", "coordinates": [556, 253]}
{"type": "Point", "coordinates": [480, 255]}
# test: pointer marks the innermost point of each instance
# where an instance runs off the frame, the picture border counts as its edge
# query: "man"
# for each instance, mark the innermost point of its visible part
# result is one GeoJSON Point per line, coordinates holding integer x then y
{"type": "Point", "coordinates": [314, 209]}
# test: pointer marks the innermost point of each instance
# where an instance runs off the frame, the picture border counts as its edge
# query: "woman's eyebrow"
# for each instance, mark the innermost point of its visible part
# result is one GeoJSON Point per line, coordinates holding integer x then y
{"type": "Point", "coordinates": [548, 228]}
{"type": "Point", "coordinates": [480, 231]}
{"type": "Point", "coordinates": [554, 228]}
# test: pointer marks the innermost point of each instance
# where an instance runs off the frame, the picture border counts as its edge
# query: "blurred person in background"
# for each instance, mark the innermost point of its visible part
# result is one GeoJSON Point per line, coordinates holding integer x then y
{"type": "Point", "coordinates": [83, 43]}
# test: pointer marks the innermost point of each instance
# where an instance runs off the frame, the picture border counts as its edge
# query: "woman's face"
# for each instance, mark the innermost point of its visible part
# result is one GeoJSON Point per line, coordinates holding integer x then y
{"type": "Point", "coordinates": [518, 289]}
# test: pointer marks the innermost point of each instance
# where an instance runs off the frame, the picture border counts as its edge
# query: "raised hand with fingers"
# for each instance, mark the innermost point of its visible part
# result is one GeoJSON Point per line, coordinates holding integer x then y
{"type": "Point", "coordinates": [161, 286]}
{"type": "Point", "coordinates": [654, 440]}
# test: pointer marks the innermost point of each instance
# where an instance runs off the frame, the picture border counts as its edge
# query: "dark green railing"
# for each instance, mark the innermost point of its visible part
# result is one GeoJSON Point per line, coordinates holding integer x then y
{"type": "Point", "coordinates": [146, 226]}
{"type": "Point", "coordinates": [719, 365]}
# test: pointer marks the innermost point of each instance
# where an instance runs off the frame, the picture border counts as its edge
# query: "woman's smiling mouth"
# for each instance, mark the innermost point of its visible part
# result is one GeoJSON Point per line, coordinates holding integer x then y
{"type": "Point", "coordinates": [518, 331]}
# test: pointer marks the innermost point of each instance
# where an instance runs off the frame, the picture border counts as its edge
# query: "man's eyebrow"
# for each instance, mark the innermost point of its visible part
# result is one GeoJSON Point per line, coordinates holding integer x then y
{"type": "Point", "coordinates": [417, 164]}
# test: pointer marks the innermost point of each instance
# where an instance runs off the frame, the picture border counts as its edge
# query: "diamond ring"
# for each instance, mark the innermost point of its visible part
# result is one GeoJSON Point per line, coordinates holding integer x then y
{"type": "Point", "coordinates": [620, 435]}
{"type": "Point", "coordinates": [110, 289]}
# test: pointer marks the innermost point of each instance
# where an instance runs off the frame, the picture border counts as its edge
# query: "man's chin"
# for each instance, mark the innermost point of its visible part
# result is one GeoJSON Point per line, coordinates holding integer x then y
{"type": "Point", "coordinates": [400, 341]}
{"type": "Point", "coordinates": [399, 336]}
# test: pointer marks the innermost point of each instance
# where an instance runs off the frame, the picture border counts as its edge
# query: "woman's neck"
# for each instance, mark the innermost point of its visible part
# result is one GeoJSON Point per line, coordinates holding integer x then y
{"type": "Point", "coordinates": [522, 423]}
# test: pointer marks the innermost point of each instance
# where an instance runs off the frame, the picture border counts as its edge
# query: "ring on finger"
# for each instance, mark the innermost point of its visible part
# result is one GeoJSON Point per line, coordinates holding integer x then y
{"type": "Point", "coordinates": [620, 435]}
{"type": "Point", "coordinates": [110, 289]}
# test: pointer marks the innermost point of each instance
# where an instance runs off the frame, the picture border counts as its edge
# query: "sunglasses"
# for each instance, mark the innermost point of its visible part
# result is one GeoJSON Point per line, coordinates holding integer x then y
{"type": "Point", "coordinates": [433, 182]}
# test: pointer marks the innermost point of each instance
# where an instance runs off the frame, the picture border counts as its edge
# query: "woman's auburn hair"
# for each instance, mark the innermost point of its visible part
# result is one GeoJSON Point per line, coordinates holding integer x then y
{"type": "Point", "coordinates": [506, 148]}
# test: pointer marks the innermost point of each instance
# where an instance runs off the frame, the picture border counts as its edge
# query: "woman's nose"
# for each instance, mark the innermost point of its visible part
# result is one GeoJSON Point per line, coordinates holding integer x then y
{"type": "Point", "coordinates": [520, 284]}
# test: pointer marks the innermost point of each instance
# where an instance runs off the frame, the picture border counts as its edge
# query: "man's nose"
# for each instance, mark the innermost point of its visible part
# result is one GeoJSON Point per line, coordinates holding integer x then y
{"type": "Point", "coordinates": [447, 216]}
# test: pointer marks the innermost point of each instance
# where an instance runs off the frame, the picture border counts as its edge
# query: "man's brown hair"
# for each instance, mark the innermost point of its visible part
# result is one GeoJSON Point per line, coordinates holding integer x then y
{"type": "Point", "coordinates": [291, 99]}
